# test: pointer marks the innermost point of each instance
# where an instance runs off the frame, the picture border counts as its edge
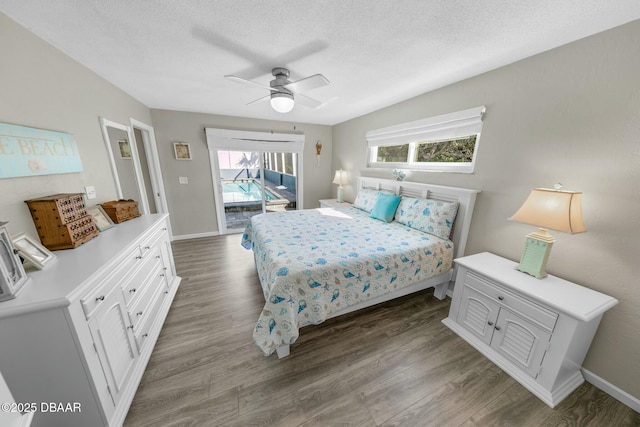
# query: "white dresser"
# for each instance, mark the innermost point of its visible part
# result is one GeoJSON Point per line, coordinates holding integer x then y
{"type": "Point", "coordinates": [538, 331]}
{"type": "Point", "coordinates": [81, 332]}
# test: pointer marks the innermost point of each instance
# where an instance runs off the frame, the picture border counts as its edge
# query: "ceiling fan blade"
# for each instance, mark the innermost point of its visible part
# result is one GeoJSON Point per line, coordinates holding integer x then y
{"type": "Point", "coordinates": [260, 85]}
{"type": "Point", "coordinates": [308, 83]}
{"type": "Point", "coordinates": [259, 99]}
{"type": "Point", "coordinates": [306, 101]}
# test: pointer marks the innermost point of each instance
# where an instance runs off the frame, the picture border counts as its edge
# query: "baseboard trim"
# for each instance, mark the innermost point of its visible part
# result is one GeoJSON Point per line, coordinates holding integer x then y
{"type": "Point", "coordinates": [612, 390]}
{"type": "Point", "coordinates": [196, 236]}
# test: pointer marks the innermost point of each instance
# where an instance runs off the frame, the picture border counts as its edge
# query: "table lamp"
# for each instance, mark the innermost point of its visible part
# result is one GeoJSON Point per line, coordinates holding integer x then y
{"type": "Point", "coordinates": [555, 209]}
{"type": "Point", "coordinates": [340, 178]}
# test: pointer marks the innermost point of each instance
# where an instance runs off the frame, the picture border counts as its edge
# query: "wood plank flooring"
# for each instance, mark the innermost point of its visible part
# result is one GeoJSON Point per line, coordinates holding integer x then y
{"type": "Point", "coordinates": [394, 364]}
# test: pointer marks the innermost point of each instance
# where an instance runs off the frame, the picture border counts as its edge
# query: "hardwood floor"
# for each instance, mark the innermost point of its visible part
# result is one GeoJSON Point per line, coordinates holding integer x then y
{"type": "Point", "coordinates": [394, 364]}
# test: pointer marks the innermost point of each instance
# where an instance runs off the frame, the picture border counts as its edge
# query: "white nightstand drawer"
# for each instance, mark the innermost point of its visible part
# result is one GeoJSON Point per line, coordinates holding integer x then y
{"type": "Point", "coordinates": [535, 313]}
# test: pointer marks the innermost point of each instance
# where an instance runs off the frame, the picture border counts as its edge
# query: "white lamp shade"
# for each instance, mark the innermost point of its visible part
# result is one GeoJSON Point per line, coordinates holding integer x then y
{"type": "Point", "coordinates": [282, 102]}
{"type": "Point", "coordinates": [341, 177]}
{"type": "Point", "coordinates": [553, 209]}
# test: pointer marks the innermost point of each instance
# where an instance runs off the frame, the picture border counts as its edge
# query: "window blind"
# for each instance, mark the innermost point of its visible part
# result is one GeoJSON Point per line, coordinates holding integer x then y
{"type": "Point", "coordinates": [446, 126]}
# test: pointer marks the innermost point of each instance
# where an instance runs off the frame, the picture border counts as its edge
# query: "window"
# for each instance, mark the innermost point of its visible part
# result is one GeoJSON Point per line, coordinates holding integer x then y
{"type": "Point", "coordinates": [443, 143]}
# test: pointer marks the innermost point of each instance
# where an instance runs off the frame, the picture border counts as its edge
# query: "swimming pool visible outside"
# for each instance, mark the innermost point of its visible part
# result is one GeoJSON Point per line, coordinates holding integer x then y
{"type": "Point", "coordinates": [245, 191]}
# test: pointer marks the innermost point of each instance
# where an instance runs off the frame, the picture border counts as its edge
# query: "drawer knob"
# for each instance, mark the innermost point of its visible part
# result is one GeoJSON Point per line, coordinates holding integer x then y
{"type": "Point", "coordinates": [157, 256]}
{"type": "Point", "coordinates": [138, 257]}
{"type": "Point", "coordinates": [139, 313]}
{"type": "Point", "coordinates": [166, 292]}
{"type": "Point", "coordinates": [497, 328]}
{"type": "Point", "coordinates": [162, 275]}
{"type": "Point", "coordinates": [164, 229]}
{"type": "Point", "coordinates": [100, 298]}
{"type": "Point", "coordinates": [490, 323]}
{"type": "Point", "coordinates": [501, 298]}
{"type": "Point", "coordinates": [132, 290]}
{"type": "Point", "coordinates": [145, 335]}
{"type": "Point", "coordinates": [147, 247]}
{"type": "Point", "coordinates": [130, 327]}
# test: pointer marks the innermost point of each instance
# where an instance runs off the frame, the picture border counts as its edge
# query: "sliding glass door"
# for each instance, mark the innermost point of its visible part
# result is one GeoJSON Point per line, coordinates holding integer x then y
{"type": "Point", "coordinates": [263, 176]}
{"type": "Point", "coordinates": [254, 182]}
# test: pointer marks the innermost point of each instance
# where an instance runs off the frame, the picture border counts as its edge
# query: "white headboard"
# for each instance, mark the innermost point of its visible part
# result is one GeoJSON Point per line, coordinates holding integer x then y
{"type": "Point", "coordinates": [464, 196]}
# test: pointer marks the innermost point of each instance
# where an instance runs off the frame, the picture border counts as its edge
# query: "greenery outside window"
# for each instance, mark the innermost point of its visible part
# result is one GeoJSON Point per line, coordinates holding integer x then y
{"type": "Point", "coordinates": [443, 143]}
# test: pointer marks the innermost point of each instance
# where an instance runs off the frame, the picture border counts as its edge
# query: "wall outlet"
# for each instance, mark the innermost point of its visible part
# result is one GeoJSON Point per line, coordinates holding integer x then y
{"type": "Point", "coordinates": [90, 191]}
{"type": "Point", "coordinates": [183, 179]}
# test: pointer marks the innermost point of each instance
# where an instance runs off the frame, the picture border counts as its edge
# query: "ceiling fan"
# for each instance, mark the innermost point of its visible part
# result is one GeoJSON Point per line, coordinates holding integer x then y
{"type": "Point", "coordinates": [283, 91]}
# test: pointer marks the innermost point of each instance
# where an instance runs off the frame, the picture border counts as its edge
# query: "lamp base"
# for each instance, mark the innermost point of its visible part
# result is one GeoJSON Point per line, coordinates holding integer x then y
{"type": "Point", "coordinates": [340, 194]}
{"type": "Point", "coordinates": [536, 254]}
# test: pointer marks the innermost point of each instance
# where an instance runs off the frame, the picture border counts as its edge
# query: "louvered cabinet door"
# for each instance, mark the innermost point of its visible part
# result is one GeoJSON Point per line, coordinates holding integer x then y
{"type": "Point", "coordinates": [520, 341]}
{"type": "Point", "coordinates": [113, 340]}
{"type": "Point", "coordinates": [478, 313]}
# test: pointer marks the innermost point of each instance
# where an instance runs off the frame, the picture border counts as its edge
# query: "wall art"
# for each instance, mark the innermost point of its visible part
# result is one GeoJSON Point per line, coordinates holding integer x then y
{"type": "Point", "coordinates": [26, 151]}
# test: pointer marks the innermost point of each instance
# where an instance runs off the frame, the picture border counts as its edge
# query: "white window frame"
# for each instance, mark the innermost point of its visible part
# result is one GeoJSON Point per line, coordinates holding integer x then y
{"type": "Point", "coordinates": [438, 128]}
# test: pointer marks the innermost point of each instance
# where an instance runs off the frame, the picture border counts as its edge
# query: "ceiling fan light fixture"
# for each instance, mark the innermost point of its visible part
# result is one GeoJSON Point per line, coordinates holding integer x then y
{"type": "Point", "coordinates": [282, 102]}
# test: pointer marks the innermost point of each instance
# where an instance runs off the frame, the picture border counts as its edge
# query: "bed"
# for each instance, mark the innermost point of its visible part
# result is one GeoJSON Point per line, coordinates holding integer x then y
{"type": "Point", "coordinates": [317, 264]}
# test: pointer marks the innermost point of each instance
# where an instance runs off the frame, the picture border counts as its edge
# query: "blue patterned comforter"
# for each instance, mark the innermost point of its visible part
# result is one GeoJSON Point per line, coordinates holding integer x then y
{"type": "Point", "coordinates": [312, 263]}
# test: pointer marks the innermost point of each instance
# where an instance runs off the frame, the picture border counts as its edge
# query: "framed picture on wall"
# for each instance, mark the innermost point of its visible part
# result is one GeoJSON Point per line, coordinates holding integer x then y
{"type": "Point", "coordinates": [12, 274]}
{"type": "Point", "coordinates": [125, 149]}
{"type": "Point", "coordinates": [31, 250]}
{"type": "Point", "coordinates": [182, 150]}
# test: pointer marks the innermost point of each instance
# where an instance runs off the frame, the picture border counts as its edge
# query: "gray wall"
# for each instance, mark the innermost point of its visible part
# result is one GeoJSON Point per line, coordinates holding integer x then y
{"type": "Point", "coordinates": [192, 206]}
{"type": "Point", "coordinates": [43, 88]}
{"type": "Point", "coordinates": [570, 115]}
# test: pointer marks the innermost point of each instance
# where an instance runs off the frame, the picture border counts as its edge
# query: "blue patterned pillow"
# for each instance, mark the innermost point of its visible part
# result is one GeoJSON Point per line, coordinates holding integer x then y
{"type": "Point", "coordinates": [365, 199]}
{"type": "Point", "coordinates": [431, 216]}
{"type": "Point", "coordinates": [385, 207]}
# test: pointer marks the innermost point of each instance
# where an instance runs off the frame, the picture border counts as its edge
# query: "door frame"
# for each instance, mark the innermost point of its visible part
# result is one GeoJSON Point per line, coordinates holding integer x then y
{"type": "Point", "coordinates": [242, 140]}
{"type": "Point", "coordinates": [153, 161]}
{"type": "Point", "coordinates": [104, 124]}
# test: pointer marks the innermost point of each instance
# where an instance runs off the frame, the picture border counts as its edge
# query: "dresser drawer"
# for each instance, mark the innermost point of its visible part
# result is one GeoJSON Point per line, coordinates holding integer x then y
{"type": "Point", "coordinates": [142, 335]}
{"type": "Point", "coordinates": [135, 285]}
{"type": "Point", "coordinates": [144, 303]}
{"type": "Point", "coordinates": [545, 318]}
{"type": "Point", "coordinates": [93, 300]}
{"type": "Point", "coordinates": [152, 240]}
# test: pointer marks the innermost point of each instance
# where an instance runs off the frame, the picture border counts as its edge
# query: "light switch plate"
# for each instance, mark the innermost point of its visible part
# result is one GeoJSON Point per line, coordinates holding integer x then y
{"type": "Point", "coordinates": [183, 180]}
{"type": "Point", "coordinates": [90, 191]}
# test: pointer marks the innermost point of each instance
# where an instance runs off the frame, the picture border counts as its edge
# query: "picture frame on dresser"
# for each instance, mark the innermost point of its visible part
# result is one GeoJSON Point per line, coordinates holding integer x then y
{"type": "Point", "coordinates": [32, 251]}
{"type": "Point", "coordinates": [12, 274]}
{"type": "Point", "coordinates": [100, 217]}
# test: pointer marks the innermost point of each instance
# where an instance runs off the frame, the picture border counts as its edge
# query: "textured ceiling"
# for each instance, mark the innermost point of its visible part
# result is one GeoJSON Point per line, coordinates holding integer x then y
{"type": "Point", "coordinates": [172, 54]}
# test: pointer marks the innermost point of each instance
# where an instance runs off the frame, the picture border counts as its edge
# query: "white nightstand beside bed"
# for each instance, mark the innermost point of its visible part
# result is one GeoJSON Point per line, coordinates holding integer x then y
{"type": "Point", "coordinates": [333, 203]}
{"type": "Point", "coordinates": [538, 331]}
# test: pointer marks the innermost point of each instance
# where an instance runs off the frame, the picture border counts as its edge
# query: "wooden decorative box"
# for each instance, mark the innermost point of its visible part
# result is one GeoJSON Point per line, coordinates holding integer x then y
{"type": "Point", "coordinates": [121, 210]}
{"type": "Point", "coordinates": [62, 221]}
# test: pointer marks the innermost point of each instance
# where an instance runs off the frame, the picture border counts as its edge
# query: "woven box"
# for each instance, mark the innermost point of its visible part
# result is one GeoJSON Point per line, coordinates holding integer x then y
{"type": "Point", "coordinates": [62, 221]}
{"type": "Point", "coordinates": [121, 210]}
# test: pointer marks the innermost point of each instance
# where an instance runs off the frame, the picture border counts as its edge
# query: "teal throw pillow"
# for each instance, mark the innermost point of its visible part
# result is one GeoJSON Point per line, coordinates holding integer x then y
{"type": "Point", "coordinates": [385, 207]}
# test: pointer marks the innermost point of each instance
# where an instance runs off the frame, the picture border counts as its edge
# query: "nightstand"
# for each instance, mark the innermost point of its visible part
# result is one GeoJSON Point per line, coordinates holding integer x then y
{"type": "Point", "coordinates": [333, 203]}
{"type": "Point", "coordinates": [536, 330]}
